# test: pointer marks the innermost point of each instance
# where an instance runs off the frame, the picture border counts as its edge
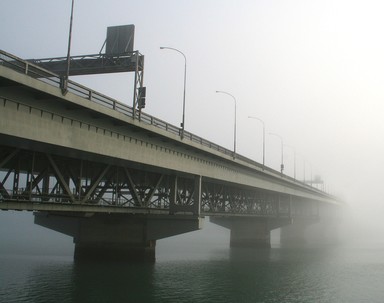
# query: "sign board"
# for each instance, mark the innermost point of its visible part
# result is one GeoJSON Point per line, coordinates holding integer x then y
{"type": "Point", "coordinates": [120, 39]}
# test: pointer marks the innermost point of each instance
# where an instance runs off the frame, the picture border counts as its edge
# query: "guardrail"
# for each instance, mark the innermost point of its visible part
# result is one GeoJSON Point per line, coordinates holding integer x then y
{"type": "Point", "coordinates": [35, 71]}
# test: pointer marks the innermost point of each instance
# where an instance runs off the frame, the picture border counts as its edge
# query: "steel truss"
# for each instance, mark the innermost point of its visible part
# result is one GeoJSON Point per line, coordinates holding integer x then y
{"type": "Point", "coordinates": [94, 64]}
{"type": "Point", "coordinates": [38, 177]}
{"type": "Point", "coordinates": [218, 198]}
{"type": "Point", "coordinates": [43, 177]}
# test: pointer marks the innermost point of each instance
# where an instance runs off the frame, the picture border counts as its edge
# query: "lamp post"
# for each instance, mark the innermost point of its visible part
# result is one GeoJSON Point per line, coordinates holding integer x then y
{"type": "Point", "coordinates": [234, 134]}
{"type": "Point", "coordinates": [282, 151]}
{"type": "Point", "coordinates": [305, 163]}
{"type": "Point", "coordinates": [303, 166]}
{"type": "Point", "coordinates": [262, 122]}
{"type": "Point", "coordinates": [310, 170]}
{"type": "Point", "coordinates": [294, 160]}
{"type": "Point", "coordinates": [64, 84]}
{"type": "Point", "coordinates": [185, 81]}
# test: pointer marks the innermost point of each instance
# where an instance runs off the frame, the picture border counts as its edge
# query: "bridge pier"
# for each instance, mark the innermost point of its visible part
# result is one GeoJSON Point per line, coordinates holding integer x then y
{"type": "Point", "coordinates": [250, 232]}
{"type": "Point", "coordinates": [295, 233]}
{"type": "Point", "coordinates": [312, 232]}
{"type": "Point", "coordinates": [105, 251]}
{"type": "Point", "coordinates": [117, 237]}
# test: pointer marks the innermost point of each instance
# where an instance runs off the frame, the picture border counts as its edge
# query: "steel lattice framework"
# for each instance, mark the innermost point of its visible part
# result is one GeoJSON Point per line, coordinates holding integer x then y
{"type": "Point", "coordinates": [51, 179]}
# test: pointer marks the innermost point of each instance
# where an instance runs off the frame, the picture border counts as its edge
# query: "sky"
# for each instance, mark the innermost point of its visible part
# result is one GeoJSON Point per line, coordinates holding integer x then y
{"type": "Point", "coordinates": [311, 70]}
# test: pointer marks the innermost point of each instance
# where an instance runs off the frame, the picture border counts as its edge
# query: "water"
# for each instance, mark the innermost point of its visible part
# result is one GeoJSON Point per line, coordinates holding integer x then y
{"type": "Point", "coordinates": [191, 273]}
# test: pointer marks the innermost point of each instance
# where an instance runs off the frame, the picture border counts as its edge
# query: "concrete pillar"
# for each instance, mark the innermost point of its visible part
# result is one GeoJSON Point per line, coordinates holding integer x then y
{"type": "Point", "coordinates": [97, 251]}
{"type": "Point", "coordinates": [295, 234]}
{"type": "Point", "coordinates": [250, 231]}
{"type": "Point", "coordinates": [117, 237]}
{"type": "Point", "coordinates": [113, 237]}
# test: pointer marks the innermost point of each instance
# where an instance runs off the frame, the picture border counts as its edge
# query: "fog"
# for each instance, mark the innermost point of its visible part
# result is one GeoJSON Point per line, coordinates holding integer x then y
{"type": "Point", "coordinates": [311, 70]}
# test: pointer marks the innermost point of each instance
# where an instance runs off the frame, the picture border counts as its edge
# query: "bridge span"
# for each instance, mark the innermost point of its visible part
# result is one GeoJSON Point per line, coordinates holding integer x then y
{"type": "Point", "coordinates": [117, 179]}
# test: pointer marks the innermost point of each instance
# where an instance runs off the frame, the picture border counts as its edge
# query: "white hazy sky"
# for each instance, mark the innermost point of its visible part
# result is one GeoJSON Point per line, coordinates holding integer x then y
{"type": "Point", "coordinates": [311, 70]}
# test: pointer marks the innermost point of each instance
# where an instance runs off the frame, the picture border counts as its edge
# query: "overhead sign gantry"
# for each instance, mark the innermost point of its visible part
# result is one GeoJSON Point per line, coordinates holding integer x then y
{"type": "Point", "coordinates": [119, 56]}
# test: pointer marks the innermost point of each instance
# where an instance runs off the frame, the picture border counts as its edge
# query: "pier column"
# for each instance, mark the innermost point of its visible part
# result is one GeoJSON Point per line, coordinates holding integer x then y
{"type": "Point", "coordinates": [117, 237]}
{"type": "Point", "coordinates": [295, 234]}
{"type": "Point", "coordinates": [250, 232]}
{"type": "Point", "coordinates": [113, 238]}
{"type": "Point", "coordinates": [315, 232]}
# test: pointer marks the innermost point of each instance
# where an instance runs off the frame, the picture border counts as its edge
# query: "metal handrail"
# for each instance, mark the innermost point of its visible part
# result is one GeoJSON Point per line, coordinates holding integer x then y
{"type": "Point", "coordinates": [35, 71]}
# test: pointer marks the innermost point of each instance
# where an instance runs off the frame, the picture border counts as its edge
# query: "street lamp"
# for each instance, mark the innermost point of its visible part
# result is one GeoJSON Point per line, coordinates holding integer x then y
{"type": "Point", "coordinates": [294, 160]}
{"type": "Point", "coordinates": [234, 135]}
{"type": "Point", "coordinates": [252, 117]}
{"type": "Point", "coordinates": [282, 151]}
{"type": "Point", "coordinates": [64, 84]}
{"type": "Point", "coordinates": [310, 171]}
{"type": "Point", "coordinates": [305, 164]}
{"type": "Point", "coordinates": [185, 81]}
{"type": "Point", "coordinates": [303, 167]}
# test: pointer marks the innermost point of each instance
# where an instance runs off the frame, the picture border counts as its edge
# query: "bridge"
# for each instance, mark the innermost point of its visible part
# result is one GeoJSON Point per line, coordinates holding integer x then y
{"type": "Point", "coordinates": [117, 179]}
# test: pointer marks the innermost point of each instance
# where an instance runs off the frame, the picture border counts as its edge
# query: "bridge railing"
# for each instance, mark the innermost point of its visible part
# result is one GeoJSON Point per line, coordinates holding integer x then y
{"type": "Point", "coordinates": [35, 71]}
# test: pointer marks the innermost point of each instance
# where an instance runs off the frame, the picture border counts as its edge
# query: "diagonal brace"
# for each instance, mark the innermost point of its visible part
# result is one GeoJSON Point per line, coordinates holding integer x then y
{"type": "Point", "coordinates": [61, 178]}
{"type": "Point", "coordinates": [95, 184]}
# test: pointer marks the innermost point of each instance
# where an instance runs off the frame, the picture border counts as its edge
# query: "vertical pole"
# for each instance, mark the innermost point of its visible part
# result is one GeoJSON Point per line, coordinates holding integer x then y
{"type": "Point", "coordinates": [141, 76]}
{"type": "Point", "coordinates": [65, 84]}
{"type": "Point", "coordinates": [135, 94]}
{"type": "Point", "coordinates": [185, 82]}
{"type": "Point", "coordinates": [282, 157]}
{"type": "Point", "coordinates": [234, 136]}
{"type": "Point", "coordinates": [311, 175]}
{"type": "Point", "coordinates": [262, 122]}
{"type": "Point", "coordinates": [234, 142]}
{"type": "Point", "coordinates": [282, 152]}
{"type": "Point", "coordinates": [263, 145]}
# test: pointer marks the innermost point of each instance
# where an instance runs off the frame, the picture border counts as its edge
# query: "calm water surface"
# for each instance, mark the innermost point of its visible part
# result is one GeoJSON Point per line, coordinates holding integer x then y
{"type": "Point", "coordinates": [332, 274]}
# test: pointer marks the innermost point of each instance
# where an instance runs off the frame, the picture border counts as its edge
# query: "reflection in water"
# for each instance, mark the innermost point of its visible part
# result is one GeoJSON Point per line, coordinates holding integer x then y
{"type": "Point", "coordinates": [113, 282]}
{"type": "Point", "coordinates": [236, 275]}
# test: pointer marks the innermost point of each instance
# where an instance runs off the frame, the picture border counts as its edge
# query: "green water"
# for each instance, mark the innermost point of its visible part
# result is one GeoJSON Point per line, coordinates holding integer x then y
{"type": "Point", "coordinates": [331, 274]}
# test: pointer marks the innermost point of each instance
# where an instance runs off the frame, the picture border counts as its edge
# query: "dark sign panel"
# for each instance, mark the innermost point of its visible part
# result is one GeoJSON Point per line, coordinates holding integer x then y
{"type": "Point", "coordinates": [120, 39]}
